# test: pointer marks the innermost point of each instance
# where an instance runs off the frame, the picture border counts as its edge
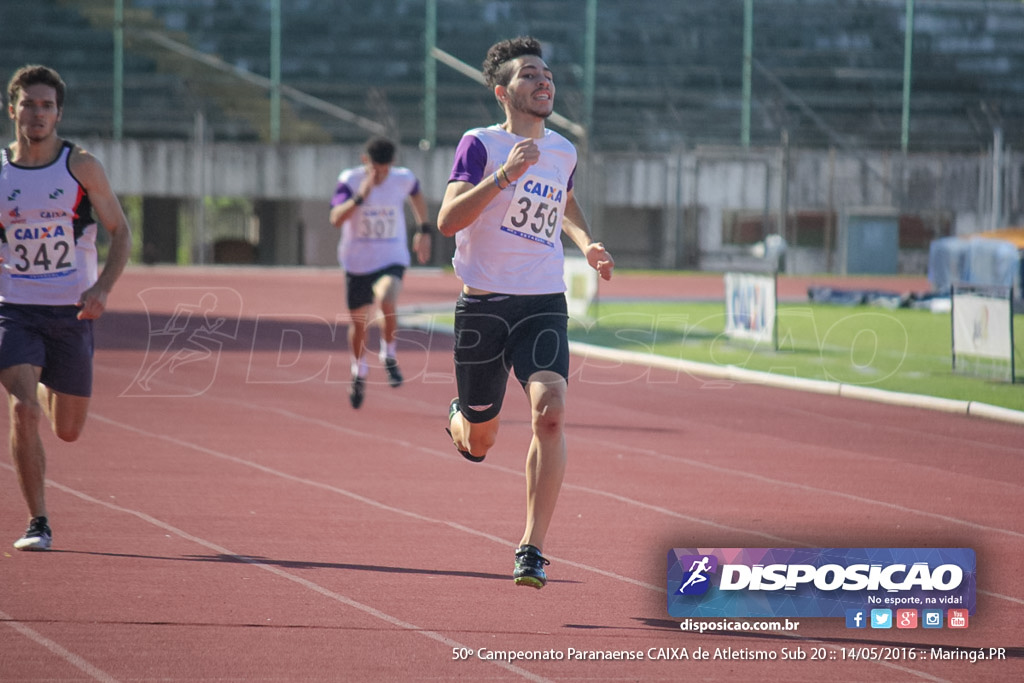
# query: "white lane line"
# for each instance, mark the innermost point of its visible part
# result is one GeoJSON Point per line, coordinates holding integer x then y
{"type": "Point", "coordinates": [62, 652]}
{"type": "Point", "coordinates": [276, 571]}
{"type": "Point", "coordinates": [650, 453]}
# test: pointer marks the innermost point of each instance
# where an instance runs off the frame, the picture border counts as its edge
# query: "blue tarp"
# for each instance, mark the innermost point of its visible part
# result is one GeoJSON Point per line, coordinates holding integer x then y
{"type": "Point", "coordinates": [947, 262]}
{"type": "Point", "coordinates": [976, 261]}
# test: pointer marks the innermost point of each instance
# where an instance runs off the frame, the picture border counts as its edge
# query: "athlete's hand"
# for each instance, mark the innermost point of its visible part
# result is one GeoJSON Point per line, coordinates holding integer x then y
{"type": "Point", "coordinates": [521, 157]}
{"type": "Point", "coordinates": [600, 260]}
{"type": "Point", "coordinates": [367, 184]}
{"type": "Point", "coordinates": [421, 245]}
{"type": "Point", "coordinates": [92, 304]}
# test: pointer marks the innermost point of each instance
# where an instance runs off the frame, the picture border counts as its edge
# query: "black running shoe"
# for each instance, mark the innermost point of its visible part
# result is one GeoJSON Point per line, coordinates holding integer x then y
{"type": "Point", "coordinates": [530, 567]}
{"type": "Point", "coordinates": [453, 408]}
{"type": "Point", "coordinates": [394, 374]}
{"type": "Point", "coordinates": [37, 537]}
{"type": "Point", "coordinates": [356, 393]}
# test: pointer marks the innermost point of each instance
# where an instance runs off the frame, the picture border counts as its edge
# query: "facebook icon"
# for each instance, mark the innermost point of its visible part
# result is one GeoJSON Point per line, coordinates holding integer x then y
{"type": "Point", "coordinates": [856, 618]}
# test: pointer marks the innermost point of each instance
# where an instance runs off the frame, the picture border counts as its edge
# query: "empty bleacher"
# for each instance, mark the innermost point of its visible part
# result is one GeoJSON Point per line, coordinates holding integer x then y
{"type": "Point", "coordinates": [827, 72]}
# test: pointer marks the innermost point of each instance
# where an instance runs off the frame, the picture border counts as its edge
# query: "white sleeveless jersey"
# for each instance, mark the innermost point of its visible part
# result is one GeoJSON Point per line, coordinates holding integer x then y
{"type": "Point", "coordinates": [374, 235]}
{"type": "Point", "coordinates": [515, 245]}
{"type": "Point", "coordinates": [48, 233]}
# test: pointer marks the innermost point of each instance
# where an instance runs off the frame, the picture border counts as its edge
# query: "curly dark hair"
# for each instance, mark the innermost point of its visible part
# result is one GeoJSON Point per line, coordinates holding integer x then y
{"type": "Point", "coordinates": [35, 74]}
{"type": "Point", "coordinates": [496, 66]}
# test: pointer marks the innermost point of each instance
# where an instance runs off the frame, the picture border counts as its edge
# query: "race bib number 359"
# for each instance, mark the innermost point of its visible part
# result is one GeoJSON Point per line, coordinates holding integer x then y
{"type": "Point", "coordinates": [536, 210]}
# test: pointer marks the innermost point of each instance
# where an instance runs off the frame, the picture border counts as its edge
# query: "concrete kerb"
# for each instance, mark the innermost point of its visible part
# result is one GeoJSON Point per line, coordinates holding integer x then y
{"type": "Point", "coordinates": [420, 319]}
{"type": "Point", "coordinates": [736, 374]}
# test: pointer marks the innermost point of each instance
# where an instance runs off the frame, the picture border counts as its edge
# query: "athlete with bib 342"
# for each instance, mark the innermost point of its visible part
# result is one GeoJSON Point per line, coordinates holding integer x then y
{"type": "Point", "coordinates": [52, 194]}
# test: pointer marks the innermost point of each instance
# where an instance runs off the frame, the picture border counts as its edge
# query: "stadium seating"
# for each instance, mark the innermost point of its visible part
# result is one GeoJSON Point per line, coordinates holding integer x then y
{"type": "Point", "coordinates": [827, 72]}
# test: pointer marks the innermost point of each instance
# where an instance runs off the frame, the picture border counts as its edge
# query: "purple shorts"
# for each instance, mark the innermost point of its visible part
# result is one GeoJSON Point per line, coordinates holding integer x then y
{"type": "Point", "coordinates": [52, 338]}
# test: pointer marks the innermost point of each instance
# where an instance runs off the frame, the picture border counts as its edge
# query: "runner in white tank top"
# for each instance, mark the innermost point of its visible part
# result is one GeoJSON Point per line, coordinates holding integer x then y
{"type": "Point", "coordinates": [49, 233]}
{"type": "Point", "coordinates": [50, 286]}
{"type": "Point", "coordinates": [368, 208]}
{"type": "Point", "coordinates": [524, 255]}
{"type": "Point", "coordinates": [508, 200]}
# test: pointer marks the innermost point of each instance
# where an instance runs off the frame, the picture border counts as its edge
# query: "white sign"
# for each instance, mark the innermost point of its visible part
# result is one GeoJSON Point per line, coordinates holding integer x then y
{"type": "Point", "coordinates": [981, 326]}
{"type": "Point", "coordinates": [750, 307]}
{"type": "Point", "coordinates": [580, 286]}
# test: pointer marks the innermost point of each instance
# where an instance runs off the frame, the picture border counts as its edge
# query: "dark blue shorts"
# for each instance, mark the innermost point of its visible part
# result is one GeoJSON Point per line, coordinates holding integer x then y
{"type": "Point", "coordinates": [359, 288]}
{"type": "Point", "coordinates": [498, 333]}
{"type": "Point", "coordinates": [52, 338]}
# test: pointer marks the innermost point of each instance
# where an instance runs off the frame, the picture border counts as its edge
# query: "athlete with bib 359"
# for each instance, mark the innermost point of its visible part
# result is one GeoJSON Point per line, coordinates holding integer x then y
{"type": "Point", "coordinates": [51, 195]}
{"type": "Point", "coordinates": [509, 199]}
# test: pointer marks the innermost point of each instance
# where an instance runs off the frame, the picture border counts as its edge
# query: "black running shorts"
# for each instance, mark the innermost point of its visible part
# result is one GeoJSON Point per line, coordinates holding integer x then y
{"type": "Point", "coordinates": [498, 333]}
{"type": "Point", "coordinates": [359, 288]}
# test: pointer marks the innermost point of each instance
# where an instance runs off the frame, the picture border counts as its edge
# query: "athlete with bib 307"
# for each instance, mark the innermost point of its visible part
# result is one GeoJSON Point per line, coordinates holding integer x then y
{"type": "Point", "coordinates": [508, 201]}
{"type": "Point", "coordinates": [51, 194]}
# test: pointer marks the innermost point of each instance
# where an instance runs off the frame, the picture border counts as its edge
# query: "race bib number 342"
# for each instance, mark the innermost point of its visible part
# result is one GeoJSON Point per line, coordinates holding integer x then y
{"type": "Point", "coordinates": [41, 250]}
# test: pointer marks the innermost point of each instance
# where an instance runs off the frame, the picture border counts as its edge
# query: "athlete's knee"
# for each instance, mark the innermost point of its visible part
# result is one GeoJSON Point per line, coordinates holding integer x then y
{"type": "Point", "coordinates": [357, 326]}
{"type": "Point", "coordinates": [481, 437]}
{"type": "Point", "coordinates": [68, 416]}
{"type": "Point", "coordinates": [548, 402]}
{"type": "Point", "coordinates": [68, 432]}
{"type": "Point", "coordinates": [549, 417]}
{"type": "Point", "coordinates": [26, 413]}
{"type": "Point", "coordinates": [481, 446]}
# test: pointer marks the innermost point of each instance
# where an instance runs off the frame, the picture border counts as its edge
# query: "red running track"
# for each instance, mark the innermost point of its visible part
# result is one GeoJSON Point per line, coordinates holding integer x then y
{"type": "Point", "coordinates": [228, 517]}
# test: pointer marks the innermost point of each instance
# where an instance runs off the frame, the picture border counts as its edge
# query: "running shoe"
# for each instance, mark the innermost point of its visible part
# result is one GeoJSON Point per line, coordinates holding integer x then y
{"type": "Point", "coordinates": [394, 374]}
{"type": "Point", "coordinates": [356, 393]}
{"type": "Point", "coordinates": [37, 537]}
{"type": "Point", "coordinates": [453, 408]}
{"type": "Point", "coordinates": [530, 567]}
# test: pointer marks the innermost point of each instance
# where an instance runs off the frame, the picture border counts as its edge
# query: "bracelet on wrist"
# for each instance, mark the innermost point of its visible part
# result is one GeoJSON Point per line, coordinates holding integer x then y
{"type": "Point", "coordinates": [505, 174]}
{"type": "Point", "coordinates": [425, 228]}
{"type": "Point", "coordinates": [358, 199]}
{"type": "Point", "coordinates": [497, 181]}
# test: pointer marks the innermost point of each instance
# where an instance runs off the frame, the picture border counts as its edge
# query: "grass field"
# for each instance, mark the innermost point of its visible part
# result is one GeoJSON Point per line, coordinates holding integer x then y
{"type": "Point", "coordinates": [903, 350]}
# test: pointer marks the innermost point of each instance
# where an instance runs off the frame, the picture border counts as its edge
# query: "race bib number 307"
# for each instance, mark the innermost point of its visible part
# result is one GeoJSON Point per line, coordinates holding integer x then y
{"type": "Point", "coordinates": [41, 250]}
{"type": "Point", "coordinates": [536, 210]}
{"type": "Point", "coordinates": [377, 223]}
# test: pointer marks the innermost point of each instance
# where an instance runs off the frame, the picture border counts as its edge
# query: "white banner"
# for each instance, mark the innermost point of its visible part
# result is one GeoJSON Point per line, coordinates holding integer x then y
{"type": "Point", "coordinates": [580, 286]}
{"type": "Point", "coordinates": [981, 326]}
{"type": "Point", "coordinates": [750, 307]}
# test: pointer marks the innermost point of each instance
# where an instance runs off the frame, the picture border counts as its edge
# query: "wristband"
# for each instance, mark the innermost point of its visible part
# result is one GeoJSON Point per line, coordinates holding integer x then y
{"type": "Point", "coordinates": [497, 182]}
{"type": "Point", "coordinates": [425, 228]}
{"type": "Point", "coordinates": [505, 173]}
{"type": "Point", "coordinates": [358, 199]}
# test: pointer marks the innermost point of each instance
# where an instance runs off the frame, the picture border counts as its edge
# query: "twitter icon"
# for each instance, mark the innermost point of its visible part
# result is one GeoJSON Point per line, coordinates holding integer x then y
{"type": "Point", "coordinates": [881, 618]}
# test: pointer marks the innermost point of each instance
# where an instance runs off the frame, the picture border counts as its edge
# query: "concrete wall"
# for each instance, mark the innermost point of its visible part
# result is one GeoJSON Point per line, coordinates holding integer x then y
{"type": "Point", "coordinates": [665, 211]}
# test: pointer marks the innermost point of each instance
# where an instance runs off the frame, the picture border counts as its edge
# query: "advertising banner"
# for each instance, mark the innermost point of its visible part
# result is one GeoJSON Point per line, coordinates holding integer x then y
{"type": "Point", "coordinates": [819, 582]}
{"type": "Point", "coordinates": [750, 307]}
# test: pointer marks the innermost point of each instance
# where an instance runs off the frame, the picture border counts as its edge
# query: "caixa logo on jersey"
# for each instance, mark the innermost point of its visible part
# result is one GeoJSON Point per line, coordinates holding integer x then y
{"type": "Point", "coordinates": [816, 582]}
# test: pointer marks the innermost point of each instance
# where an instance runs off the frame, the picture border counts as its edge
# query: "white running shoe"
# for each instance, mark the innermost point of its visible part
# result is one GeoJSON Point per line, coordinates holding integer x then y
{"type": "Point", "coordinates": [37, 537]}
